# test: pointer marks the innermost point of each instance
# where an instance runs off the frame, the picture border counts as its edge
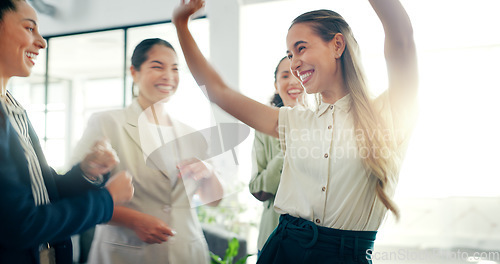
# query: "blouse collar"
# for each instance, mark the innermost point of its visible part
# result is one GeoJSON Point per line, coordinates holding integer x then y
{"type": "Point", "coordinates": [343, 104]}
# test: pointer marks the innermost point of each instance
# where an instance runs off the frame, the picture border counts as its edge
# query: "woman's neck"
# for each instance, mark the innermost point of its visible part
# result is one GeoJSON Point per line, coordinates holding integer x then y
{"type": "Point", "coordinates": [332, 96]}
{"type": "Point", "coordinates": [336, 89]}
{"type": "Point", "coordinates": [156, 113]}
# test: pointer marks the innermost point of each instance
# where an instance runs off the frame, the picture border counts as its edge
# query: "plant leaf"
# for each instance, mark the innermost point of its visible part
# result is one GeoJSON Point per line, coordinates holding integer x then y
{"type": "Point", "coordinates": [243, 260]}
{"type": "Point", "coordinates": [215, 259]}
{"type": "Point", "coordinates": [232, 249]}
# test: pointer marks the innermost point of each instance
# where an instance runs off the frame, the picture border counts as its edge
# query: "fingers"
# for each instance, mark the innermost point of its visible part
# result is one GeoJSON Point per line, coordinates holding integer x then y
{"type": "Point", "coordinates": [186, 9]}
{"type": "Point", "coordinates": [195, 173]}
{"type": "Point", "coordinates": [102, 159]}
{"type": "Point", "coordinates": [199, 3]}
{"type": "Point", "coordinates": [186, 167]}
{"type": "Point", "coordinates": [104, 154]}
{"type": "Point", "coordinates": [187, 162]}
{"type": "Point", "coordinates": [160, 234]}
{"type": "Point", "coordinates": [120, 187]}
{"type": "Point", "coordinates": [151, 229]}
{"type": "Point", "coordinates": [194, 168]}
{"type": "Point", "coordinates": [168, 231]}
{"type": "Point", "coordinates": [155, 239]}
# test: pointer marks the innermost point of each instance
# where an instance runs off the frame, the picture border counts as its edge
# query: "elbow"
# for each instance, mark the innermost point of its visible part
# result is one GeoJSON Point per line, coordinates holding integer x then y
{"type": "Point", "coordinates": [404, 30]}
{"type": "Point", "coordinates": [400, 38]}
{"type": "Point", "coordinates": [262, 196]}
{"type": "Point", "coordinates": [405, 44]}
{"type": "Point", "coordinates": [406, 40]}
{"type": "Point", "coordinates": [216, 92]}
{"type": "Point", "coordinates": [408, 44]}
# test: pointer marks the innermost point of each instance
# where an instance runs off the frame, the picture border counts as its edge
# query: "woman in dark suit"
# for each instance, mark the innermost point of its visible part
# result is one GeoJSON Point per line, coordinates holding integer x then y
{"type": "Point", "coordinates": [40, 209]}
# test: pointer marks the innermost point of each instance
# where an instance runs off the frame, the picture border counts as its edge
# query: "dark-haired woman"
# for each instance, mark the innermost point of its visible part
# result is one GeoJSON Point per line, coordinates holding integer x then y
{"type": "Point", "coordinates": [159, 224]}
{"type": "Point", "coordinates": [341, 161]}
{"type": "Point", "coordinates": [40, 209]}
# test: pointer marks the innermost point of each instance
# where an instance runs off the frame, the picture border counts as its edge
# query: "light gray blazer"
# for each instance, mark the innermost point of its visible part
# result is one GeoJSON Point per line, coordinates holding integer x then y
{"type": "Point", "coordinates": [155, 192]}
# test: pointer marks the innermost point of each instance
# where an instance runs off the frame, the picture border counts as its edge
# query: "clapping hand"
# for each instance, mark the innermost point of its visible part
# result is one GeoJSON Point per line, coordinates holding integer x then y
{"type": "Point", "coordinates": [186, 9]}
{"type": "Point", "coordinates": [195, 169]}
{"type": "Point", "coordinates": [120, 187]}
{"type": "Point", "coordinates": [101, 160]}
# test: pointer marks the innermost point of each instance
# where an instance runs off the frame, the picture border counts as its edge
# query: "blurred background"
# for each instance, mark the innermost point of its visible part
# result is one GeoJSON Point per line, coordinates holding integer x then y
{"type": "Point", "coordinates": [449, 186]}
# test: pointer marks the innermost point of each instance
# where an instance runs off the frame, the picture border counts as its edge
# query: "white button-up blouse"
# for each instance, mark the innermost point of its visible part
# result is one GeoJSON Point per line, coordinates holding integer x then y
{"type": "Point", "coordinates": [324, 179]}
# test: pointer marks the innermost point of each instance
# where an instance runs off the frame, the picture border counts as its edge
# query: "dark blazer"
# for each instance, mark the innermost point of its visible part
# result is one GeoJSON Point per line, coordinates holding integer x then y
{"type": "Point", "coordinates": [75, 204]}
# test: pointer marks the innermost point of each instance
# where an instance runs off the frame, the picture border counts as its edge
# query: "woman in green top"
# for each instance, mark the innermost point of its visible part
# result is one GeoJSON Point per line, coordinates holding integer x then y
{"type": "Point", "coordinates": [267, 158]}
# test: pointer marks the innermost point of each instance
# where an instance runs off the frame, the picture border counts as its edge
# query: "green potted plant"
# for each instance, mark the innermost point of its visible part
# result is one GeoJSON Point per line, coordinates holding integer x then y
{"type": "Point", "coordinates": [231, 252]}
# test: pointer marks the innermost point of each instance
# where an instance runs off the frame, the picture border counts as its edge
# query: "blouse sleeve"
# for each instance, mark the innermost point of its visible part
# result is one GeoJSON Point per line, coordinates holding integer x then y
{"type": "Point", "coordinates": [283, 125]}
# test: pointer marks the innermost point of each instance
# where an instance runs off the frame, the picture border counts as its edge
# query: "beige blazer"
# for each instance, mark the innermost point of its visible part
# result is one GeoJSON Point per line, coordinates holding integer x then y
{"type": "Point", "coordinates": [157, 192]}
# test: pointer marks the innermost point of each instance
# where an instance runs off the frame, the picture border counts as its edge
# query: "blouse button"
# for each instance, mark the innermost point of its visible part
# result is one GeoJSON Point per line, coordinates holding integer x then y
{"type": "Point", "coordinates": [330, 127]}
{"type": "Point", "coordinates": [317, 221]}
{"type": "Point", "coordinates": [323, 189]}
{"type": "Point", "coordinates": [331, 107]}
{"type": "Point", "coordinates": [326, 155]}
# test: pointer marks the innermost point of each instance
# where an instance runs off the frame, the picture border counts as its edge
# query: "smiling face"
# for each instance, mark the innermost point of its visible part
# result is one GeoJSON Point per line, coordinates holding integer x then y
{"type": "Point", "coordinates": [315, 62]}
{"type": "Point", "coordinates": [157, 77]}
{"type": "Point", "coordinates": [20, 41]}
{"type": "Point", "coordinates": [287, 86]}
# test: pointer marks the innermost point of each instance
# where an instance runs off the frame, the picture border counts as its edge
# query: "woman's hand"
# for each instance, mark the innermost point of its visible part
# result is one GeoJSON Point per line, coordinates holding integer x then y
{"type": "Point", "coordinates": [101, 160]}
{"type": "Point", "coordinates": [151, 229]}
{"type": "Point", "coordinates": [195, 168]}
{"type": "Point", "coordinates": [185, 10]}
{"type": "Point", "coordinates": [148, 228]}
{"type": "Point", "coordinates": [120, 187]}
{"type": "Point", "coordinates": [210, 189]}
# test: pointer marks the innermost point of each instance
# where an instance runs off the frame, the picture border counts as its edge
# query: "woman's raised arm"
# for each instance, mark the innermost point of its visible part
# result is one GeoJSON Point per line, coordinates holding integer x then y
{"type": "Point", "coordinates": [259, 116]}
{"type": "Point", "coordinates": [400, 56]}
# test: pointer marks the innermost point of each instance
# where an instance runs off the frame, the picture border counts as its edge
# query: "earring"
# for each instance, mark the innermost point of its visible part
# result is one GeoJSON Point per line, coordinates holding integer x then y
{"type": "Point", "coordinates": [135, 92]}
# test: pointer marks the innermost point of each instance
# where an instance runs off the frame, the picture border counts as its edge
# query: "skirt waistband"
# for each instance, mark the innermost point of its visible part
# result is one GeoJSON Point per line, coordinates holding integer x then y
{"type": "Point", "coordinates": [310, 235]}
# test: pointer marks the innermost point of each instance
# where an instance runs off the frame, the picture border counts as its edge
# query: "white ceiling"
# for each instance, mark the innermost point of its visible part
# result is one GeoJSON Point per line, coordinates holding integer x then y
{"type": "Point", "coordinates": [88, 15]}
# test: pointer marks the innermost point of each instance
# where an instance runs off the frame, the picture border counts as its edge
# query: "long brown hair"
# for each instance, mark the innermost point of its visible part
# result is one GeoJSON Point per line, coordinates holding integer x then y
{"type": "Point", "coordinates": [374, 139]}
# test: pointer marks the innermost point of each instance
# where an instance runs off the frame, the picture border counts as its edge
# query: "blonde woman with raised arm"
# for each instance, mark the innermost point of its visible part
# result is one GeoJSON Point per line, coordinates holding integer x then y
{"type": "Point", "coordinates": [342, 160]}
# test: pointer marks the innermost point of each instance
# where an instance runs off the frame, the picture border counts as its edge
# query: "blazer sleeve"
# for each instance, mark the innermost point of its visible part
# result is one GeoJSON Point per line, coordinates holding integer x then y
{"type": "Point", "coordinates": [25, 225]}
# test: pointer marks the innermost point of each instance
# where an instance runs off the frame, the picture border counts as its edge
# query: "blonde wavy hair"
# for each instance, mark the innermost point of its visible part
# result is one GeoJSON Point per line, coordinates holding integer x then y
{"type": "Point", "coordinates": [375, 140]}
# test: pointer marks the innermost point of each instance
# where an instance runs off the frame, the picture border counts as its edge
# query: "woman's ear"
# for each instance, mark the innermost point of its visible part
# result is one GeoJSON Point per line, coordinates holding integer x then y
{"type": "Point", "coordinates": [133, 72]}
{"type": "Point", "coordinates": [337, 44]}
{"type": "Point", "coordinates": [275, 87]}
